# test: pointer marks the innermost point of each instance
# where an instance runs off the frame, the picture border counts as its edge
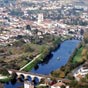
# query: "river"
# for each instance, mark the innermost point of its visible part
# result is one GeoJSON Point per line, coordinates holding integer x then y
{"type": "Point", "coordinates": [57, 59]}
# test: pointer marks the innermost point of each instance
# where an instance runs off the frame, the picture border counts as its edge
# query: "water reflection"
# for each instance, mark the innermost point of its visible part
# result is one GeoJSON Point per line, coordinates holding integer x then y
{"type": "Point", "coordinates": [29, 78]}
{"type": "Point", "coordinates": [35, 81]}
{"type": "Point", "coordinates": [47, 59]}
{"type": "Point", "coordinates": [13, 82]}
{"type": "Point", "coordinates": [11, 85]}
{"type": "Point", "coordinates": [36, 67]}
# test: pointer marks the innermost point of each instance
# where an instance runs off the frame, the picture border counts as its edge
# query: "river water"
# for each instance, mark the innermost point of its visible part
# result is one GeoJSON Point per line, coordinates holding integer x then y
{"type": "Point", "coordinates": [57, 59]}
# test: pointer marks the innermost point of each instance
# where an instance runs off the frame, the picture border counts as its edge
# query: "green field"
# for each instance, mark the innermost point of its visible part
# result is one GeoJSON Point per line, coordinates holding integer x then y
{"type": "Point", "coordinates": [78, 55]}
{"type": "Point", "coordinates": [6, 79]}
{"type": "Point", "coordinates": [31, 64]}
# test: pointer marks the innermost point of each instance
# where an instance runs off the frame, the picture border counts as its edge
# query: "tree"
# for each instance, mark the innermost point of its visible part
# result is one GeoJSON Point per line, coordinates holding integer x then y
{"type": "Point", "coordinates": [73, 83]}
{"type": "Point", "coordinates": [83, 80]}
{"type": "Point", "coordinates": [63, 86]}
{"type": "Point", "coordinates": [86, 76]}
{"type": "Point", "coordinates": [28, 27]}
{"type": "Point", "coordinates": [81, 31]}
{"type": "Point", "coordinates": [4, 72]}
{"type": "Point", "coordinates": [70, 76]}
{"type": "Point", "coordinates": [84, 52]}
{"type": "Point", "coordinates": [86, 37]}
{"type": "Point", "coordinates": [42, 81]}
{"type": "Point", "coordinates": [27, 48]}
{"type": "Point", "coordinates": [13, 75]}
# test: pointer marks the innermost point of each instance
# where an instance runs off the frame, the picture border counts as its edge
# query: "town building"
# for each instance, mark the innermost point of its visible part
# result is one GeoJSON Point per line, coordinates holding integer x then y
{"type": "Point", "coordinates": [28, 84]}
{"type": "Point", "coordinates": [81, 72]}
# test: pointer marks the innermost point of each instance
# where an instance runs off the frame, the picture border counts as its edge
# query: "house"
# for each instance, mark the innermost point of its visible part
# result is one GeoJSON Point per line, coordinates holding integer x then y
{"type": "Point", "coordinates": [59, 85]}
{"type": "Point", "coordinates": [81, 72]}
{"type": "Point", "coordinates": [28, 84]}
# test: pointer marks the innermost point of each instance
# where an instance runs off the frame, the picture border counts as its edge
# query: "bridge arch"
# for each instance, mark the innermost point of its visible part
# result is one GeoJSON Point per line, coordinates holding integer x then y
{"type": "Point", "coordinates": [21, 77]}
{"type": "Point", "coordinates": [36, 80]}
{"type": "Point", "coordinates": [29, 78]}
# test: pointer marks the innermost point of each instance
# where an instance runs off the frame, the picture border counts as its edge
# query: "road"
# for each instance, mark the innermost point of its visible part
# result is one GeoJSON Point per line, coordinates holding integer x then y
{"type": "Point", "coordinates": [30, 62]}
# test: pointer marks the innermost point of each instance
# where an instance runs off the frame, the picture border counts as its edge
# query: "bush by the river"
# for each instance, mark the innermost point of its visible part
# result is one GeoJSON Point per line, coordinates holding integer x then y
{"type": "Point", "coordinates": [4, 72]}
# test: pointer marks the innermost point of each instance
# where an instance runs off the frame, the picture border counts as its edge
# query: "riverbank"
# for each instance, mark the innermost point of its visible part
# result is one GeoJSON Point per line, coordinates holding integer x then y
{"type": "Point", "coordinates": [30, 64]}
{"type": "Point", "coordinates": [4, 79]}
{"type": "Point", "coordinates": [77, 58]}
{"type": "Point", "coordinates": [64, 70]}
{"type": "Point", "coordinates": [44, 53]}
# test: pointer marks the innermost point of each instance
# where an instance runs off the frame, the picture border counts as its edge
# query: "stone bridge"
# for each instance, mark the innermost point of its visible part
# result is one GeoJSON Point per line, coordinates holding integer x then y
{"type": "Point", "coordinates": [27, 75]}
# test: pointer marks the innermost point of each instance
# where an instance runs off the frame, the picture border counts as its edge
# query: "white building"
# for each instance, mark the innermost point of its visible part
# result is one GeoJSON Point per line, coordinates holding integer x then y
{"type": "Point", "coordinates": [59, 87]}
{"type": "Point", "coordinates": [81, 72]}
{"type": "Point", "coordinates": [40, 18]}
{"type": "Point", "coordinates": [59, 84]}
{"type": "Point", "coordinates": [27, 84]}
